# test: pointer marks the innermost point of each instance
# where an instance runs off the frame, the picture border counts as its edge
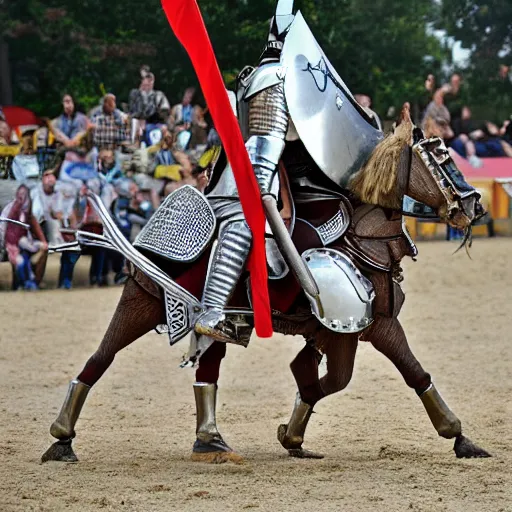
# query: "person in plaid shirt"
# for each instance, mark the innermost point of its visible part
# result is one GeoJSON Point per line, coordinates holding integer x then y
{"type": "Point", "coordinates": [110, 126]}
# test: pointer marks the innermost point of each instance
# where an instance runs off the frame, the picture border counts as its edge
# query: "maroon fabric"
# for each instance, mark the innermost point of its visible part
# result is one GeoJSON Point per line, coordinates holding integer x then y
{"type": "Point", "coordinates": [209, 364]}
{"type": "Point", "coordinates": [193, 278]}
{"type": "Point", "coordinates": [317, 212]}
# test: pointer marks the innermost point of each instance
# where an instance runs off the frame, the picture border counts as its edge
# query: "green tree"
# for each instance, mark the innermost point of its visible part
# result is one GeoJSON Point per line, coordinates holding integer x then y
{"type": "Point", "coordinates": [485, 28]}
{"type": "Point", "coordinates": [379, 47]}
{"type": "Point", "coordinates": [86, 46]}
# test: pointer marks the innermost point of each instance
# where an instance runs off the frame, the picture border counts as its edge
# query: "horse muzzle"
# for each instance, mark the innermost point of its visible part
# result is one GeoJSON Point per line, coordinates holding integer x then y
{"type": "Point", "coordinates": [467, 211]}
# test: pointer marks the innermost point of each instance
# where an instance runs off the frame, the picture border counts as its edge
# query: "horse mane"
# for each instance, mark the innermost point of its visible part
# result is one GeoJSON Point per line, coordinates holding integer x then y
{"type": "Point", "coordinates": [376, 182]}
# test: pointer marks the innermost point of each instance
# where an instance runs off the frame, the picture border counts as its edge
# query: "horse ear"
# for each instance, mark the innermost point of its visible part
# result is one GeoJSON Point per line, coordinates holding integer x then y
{"type": "Point", "coordinates": [404, 125]}
{"type": "Point", "coordinates": [405, 114]}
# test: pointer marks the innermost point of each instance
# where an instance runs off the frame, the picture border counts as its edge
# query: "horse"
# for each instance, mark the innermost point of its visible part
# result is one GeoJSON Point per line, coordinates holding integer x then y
{"type": "Point", "coordinates": [375, 242]}
{"type": "Point", "coordinates": [373, 230]}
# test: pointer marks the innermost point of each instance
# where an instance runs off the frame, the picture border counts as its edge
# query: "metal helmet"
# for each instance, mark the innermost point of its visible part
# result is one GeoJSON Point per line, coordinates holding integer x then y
{"type": "Point", "coordinates": [279, 25]}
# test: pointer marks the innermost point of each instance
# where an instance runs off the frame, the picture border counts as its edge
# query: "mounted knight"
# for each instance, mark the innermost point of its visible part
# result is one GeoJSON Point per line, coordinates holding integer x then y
{"type": "Point", "coordinates": [331, 188]}
{"type": "Point", "coordinates": [306, 136]}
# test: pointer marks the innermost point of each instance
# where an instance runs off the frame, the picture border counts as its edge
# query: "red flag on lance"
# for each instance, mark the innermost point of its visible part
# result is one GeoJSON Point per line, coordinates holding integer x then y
{"type": "Point", "coordinates": [187, 23]}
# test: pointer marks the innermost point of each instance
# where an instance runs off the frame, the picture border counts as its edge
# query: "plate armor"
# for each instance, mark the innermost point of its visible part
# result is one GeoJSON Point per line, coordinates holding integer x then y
{"type": "Point", "coordinates": [322, 142]}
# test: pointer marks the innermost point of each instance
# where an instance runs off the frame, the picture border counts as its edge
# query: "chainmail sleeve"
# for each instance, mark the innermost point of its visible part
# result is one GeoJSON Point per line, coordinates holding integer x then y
{"type": "Point", "coordinates": [268, 125]}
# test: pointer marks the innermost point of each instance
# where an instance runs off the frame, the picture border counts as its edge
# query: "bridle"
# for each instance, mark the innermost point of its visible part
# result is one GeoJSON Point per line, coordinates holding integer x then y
{"type": "Point", "coordinates": [456, 192]}
{"type": "Point", "coordinates": [460, 197]}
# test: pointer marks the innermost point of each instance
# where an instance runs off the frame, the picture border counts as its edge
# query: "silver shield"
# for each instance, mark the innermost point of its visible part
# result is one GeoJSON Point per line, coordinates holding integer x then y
{"type": "Point", "coordinates": [335, 130]}
{"type": "Point", "coordinates": [181, 228]}
{"type": "Point", "coordinates": [346, 296]}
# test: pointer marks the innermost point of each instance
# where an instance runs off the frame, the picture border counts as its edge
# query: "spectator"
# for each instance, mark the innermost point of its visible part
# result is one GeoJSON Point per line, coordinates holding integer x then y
{"type": "Point", "coordinates": [147, 103]}
{"type": "Point", "coordinates": [71, 126]}
{"type": "Point", "coordinates": [480, 139]}
{"type": "Point", "coordinates": [43, 198]}
{"type": "Point", "coordinates": [54, 208]}
{"type": "Point", "coordinates": [108, 166]}
{"type": "Point", "coordinates": [149, 107]}
{"type": "Point", "coordinates": [452, 96]}
{"type": "Point", "coordinates": [23, 250]}
{"type": "Point", "coordinates": [5, 133]}
{"type": "Point", "coordinates": [436, 121]}
{"type": "Point", "coordinates": [131, 212]}
{"type": "Point", "coordinates": [199, 127]}
{"type": "Point", "coordinates": [425, 98]}
{"type": "Point", "coordinates": [506, 131]}
{"type": "Point", "coordinates": [91, 222]}
{"type": "Point", "coordinates": [187, 118]}
{"type": "Point", "coordinates": [110, 126]}
{"type": "Point", "coordinates": [366, 102]}
{"type": "Point", "coordinates": [213, 138]}
{"type": "Point", "coordinates": [505, 73]}
{"type": "Point", "coordinates": [182, 114]}
{"type": "Point", "coordinates": [169, 159]}
{"type": "Point", "coordinates": [25, 165]}
{"type": "Point", "coordinates": [64, 211]}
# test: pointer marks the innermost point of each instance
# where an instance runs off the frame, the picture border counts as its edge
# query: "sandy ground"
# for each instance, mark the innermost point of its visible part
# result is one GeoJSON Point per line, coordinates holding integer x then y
{"type": "Point", "coordinates": [382, 454]}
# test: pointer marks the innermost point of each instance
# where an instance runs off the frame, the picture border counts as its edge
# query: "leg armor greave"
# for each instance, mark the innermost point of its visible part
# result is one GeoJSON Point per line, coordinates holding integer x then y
{"type": "Point", "coordinates": [64, 426]}
{"type": "Point", "coordinates": [226, 267]}
{"type": "Point", "coordinates": [441, 416]}
{"type": "Point", "coordinates": [293, 437]}
{"type": "Point", "coordinates": [208, 439]}
{"type": "Point", "coordinates": [206, 404]}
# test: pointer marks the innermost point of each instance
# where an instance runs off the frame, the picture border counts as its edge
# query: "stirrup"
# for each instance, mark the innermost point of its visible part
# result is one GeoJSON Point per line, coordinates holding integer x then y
{"type": "Point", "coordinates": [224, 327]}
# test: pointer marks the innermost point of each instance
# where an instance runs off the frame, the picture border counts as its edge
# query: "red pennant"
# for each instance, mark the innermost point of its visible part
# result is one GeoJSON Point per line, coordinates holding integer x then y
{"type": "Point", "coordinates": [188, 26]}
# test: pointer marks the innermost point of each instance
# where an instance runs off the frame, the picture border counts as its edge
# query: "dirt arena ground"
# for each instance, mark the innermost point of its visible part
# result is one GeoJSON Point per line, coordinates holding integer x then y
{"type": "Point", "coordinates": [382, 454]}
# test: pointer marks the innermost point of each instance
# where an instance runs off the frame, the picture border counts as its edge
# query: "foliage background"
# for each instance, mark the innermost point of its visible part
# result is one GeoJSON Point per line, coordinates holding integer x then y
{"type": "Point", "coordinates": [383, 48]}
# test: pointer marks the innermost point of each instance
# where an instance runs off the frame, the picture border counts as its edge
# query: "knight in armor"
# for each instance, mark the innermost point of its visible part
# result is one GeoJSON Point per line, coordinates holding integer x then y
{"type": "Point", "coordinates": [306, 136]}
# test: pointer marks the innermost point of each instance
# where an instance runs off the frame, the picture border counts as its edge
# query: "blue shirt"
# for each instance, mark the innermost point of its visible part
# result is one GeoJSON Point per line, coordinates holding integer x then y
{"type": "Point", "coordinates": [71, 126]}
{"type": "Point", "coordinates": [187, 113]}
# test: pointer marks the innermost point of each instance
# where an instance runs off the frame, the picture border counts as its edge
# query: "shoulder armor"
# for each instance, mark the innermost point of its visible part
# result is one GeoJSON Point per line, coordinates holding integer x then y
{"type": "Point", "coordinates": [262, 78]}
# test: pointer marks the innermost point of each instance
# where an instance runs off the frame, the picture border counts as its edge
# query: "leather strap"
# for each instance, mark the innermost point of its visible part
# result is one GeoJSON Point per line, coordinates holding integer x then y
{"type": "Point", "coordinates": [404, 171]}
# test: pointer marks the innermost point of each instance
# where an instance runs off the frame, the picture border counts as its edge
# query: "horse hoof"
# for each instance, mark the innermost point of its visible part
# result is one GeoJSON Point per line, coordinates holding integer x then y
{"type": "Point", "coordinates": [466, 449]}
{"type": "Point", "coordinates": [281, 434]}
{"type": "Point", "coordinates": [300, 453]}
{"type": "Point", "coordinates": [294, 445]}
{"type": "Point", "coordinates": [215, 452]}
{"type": "Point", "coordinates": [61, 451]}
{"type": "Point", "coordinates": [288, 442]}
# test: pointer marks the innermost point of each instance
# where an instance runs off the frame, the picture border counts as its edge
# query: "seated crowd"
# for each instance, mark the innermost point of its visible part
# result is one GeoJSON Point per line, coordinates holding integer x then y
{"type": "Point", "coordinates": [444, 114]}
{"type": "Point", "coordinates": [132, 160]}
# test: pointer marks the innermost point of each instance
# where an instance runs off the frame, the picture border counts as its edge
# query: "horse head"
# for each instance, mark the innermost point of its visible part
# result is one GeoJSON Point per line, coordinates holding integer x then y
{"type": "Point", "coordinates": [407, 163]}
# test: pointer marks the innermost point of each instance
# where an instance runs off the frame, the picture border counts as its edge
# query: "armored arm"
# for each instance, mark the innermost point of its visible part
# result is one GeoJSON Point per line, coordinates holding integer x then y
{"type": "Point", "coordinates": [268, 125]}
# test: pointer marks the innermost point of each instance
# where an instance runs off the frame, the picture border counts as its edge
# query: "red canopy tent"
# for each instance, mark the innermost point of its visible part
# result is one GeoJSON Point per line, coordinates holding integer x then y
{"type": "Point", "coordinates": [19, 116]}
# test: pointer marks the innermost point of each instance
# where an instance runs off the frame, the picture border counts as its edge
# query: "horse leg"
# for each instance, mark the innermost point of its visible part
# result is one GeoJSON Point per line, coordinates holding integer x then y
{"type": "Point", "coordinates": [137, 313]}
{"type": "Point", "coordinates": [340, 351]}
{"type": "Point", "coordinates": [388, 337]}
